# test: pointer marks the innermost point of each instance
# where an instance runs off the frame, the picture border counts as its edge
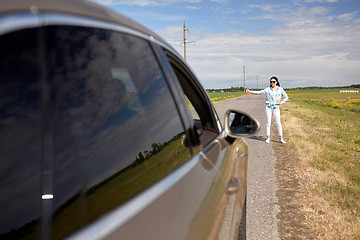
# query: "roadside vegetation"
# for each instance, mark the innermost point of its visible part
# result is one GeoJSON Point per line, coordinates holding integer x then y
{"type": "Point", "coordinates": [322, 128]}
{"type": "Point", "coordinates": [217, 96]}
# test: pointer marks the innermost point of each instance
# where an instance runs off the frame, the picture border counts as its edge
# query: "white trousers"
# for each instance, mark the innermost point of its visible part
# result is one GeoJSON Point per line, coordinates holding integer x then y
{"type": "Point", "coordinates": [276, 113]}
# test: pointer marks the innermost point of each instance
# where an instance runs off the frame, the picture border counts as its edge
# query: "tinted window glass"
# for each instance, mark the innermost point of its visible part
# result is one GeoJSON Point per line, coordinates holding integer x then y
{"type": "Point", "coordinates": [20, 136]}
{"type": "Point", "coordinates": [116, 127]}
{"type": "Point", "coordinates": [201, 112]}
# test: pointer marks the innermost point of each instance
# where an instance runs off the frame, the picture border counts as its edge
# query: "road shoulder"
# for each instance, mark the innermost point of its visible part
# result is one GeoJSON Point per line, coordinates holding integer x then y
{"type": "Point", "coordinates": [291, 224]}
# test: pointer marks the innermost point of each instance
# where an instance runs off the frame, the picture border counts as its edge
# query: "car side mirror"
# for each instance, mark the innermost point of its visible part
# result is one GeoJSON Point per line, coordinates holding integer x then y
{"type": "Point", "coordinates": [238, 124]}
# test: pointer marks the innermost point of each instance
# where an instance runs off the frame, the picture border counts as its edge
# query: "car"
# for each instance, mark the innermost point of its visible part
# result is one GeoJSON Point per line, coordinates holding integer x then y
{"type": "Point", "coordinates": [106, 132]}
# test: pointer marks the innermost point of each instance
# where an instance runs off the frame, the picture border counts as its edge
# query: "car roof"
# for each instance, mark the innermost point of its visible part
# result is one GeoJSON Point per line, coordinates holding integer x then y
{"type": "Point", "coordinates": [84, 8]}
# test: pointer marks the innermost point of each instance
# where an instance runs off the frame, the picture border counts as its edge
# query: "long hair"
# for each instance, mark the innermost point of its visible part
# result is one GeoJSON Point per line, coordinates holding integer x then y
{"type": "Point", "coordinates": [277, 81]}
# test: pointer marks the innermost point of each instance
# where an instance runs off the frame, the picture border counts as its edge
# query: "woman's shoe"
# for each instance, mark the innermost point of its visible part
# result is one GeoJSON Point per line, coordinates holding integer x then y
{"type": "Point", "coordinates": [267, 140]}
{"type": "Point", "coordinates": [282, 141]}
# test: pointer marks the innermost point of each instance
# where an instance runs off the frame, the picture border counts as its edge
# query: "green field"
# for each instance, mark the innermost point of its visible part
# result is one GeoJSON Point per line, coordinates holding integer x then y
{"type": "Point", "coordinates": [333, 98]}
{"type": "Point", "coordinates": [323, 131]}
{"type": "Point", "coordinates": [330, 97]}
{"type": "Point", "coordinates": [221, 96]}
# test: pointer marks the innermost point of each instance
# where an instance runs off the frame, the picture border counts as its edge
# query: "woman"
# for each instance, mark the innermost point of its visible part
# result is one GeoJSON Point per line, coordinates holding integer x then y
{"type": "Point", "coordinates": [273, 97]}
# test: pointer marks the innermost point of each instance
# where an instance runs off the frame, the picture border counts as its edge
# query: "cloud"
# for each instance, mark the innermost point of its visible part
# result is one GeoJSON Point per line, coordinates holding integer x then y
{"type": "Point", "coordinates": [219, 1]}
{"type": "Point", "coordinates": [267, 7]}
{"type": "Point", "coordinates": [321, 1]}
{"type": "Point", "coordinates": [347, 16]}
{"type": "Point", "coordinates": [192, 7]}
{"type": "Point", "coordinates": [306, 44]}
{"type": "Point", "coordinates": [164, 17]}
{"type": "Point", "coordinates": [319, 10]}
{"type": "Point", "coordinates": [145, 2]}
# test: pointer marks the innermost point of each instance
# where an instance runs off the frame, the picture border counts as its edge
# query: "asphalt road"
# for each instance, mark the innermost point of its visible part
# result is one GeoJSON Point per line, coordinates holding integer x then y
{"type": "Point", "coordinates": [262, 206]}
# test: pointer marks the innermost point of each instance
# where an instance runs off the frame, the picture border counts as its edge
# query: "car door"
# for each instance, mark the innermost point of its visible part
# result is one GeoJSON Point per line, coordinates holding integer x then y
{"type": "Point", "coordinates": [186, 202]}
{"type": "Point", "coordinates": [217, 152]}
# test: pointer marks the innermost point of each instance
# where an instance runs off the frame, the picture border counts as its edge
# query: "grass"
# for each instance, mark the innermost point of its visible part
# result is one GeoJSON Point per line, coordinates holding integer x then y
{"type": "Point", "coordinates": [323, 132]}
{"type": "Point", "coordinates": [221, 96]}
{"type": "Point", "coordinates": [328, 97]}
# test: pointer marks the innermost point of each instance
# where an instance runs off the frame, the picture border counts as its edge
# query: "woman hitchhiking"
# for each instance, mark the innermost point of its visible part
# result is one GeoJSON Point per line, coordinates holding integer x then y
{"type": "Point", "coordinates": [273, 101]}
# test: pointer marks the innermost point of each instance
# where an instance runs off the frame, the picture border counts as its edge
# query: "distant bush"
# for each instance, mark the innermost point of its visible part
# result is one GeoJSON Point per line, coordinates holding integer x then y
{"type": "Point", "coordinates": [332, 103]}
{"type": "Point", "coordinates": [348, 104]}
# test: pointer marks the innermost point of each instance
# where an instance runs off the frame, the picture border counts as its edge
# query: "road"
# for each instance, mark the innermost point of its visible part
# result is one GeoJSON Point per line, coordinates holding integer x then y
{"type": "Point", "coordinates": [262, 206]}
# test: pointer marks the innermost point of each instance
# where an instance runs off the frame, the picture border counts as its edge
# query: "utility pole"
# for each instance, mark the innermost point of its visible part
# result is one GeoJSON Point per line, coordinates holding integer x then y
{"type": "Point", "coordinates": [257, 83]}
{"type": "Point", "coordinates": [184, 41]}
{"type": "Point", "coordinates": [244, 79]}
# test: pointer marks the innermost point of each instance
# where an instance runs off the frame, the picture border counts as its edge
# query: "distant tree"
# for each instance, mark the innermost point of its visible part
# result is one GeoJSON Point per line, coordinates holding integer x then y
{"type": "Point", "coordinates": [139, 159]}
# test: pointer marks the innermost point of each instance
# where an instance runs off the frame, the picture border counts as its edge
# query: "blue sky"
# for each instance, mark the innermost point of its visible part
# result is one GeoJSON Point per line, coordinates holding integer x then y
{"type": "Point", "coordinates": [302, 42]}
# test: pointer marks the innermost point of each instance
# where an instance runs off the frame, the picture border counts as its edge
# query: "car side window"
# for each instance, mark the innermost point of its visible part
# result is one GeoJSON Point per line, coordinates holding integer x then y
{"type": "Point", "coordinates": [200, 110]}
{"type": "Point", "coordinates": [116, 127]}
{"type": "Point", "coordinates": [192, 109]}
{"type": "Point", "coordinates": [115, 123]}
{"type": "Point", "coordinates": [20, 136]}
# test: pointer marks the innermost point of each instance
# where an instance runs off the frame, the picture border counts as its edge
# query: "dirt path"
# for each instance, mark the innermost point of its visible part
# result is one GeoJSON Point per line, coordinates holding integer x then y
{"type": "Point", "coordinates": [291, 224]}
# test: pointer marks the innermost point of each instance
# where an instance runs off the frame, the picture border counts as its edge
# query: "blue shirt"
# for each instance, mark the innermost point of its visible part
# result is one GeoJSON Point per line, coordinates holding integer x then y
{"type": "Point", "coordinates": [273, 96]}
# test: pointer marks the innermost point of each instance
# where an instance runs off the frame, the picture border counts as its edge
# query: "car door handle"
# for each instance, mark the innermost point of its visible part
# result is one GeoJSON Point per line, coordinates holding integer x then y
{"type": "Point", "coordinates": [233, 185]}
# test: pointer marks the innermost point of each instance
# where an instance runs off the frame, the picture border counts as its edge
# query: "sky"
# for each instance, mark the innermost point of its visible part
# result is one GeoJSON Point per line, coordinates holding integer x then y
{"type": "Point", "coordinates": [302, 42]}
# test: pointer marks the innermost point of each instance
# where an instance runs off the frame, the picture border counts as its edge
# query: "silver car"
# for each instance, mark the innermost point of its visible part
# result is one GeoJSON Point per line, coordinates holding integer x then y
{"type": "Point", "coordinates": [105, 132]}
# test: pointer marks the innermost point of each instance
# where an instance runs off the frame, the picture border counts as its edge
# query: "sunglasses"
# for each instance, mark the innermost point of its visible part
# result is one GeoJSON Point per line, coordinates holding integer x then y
{"type": "Point", "coordinates": [273, 81]}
